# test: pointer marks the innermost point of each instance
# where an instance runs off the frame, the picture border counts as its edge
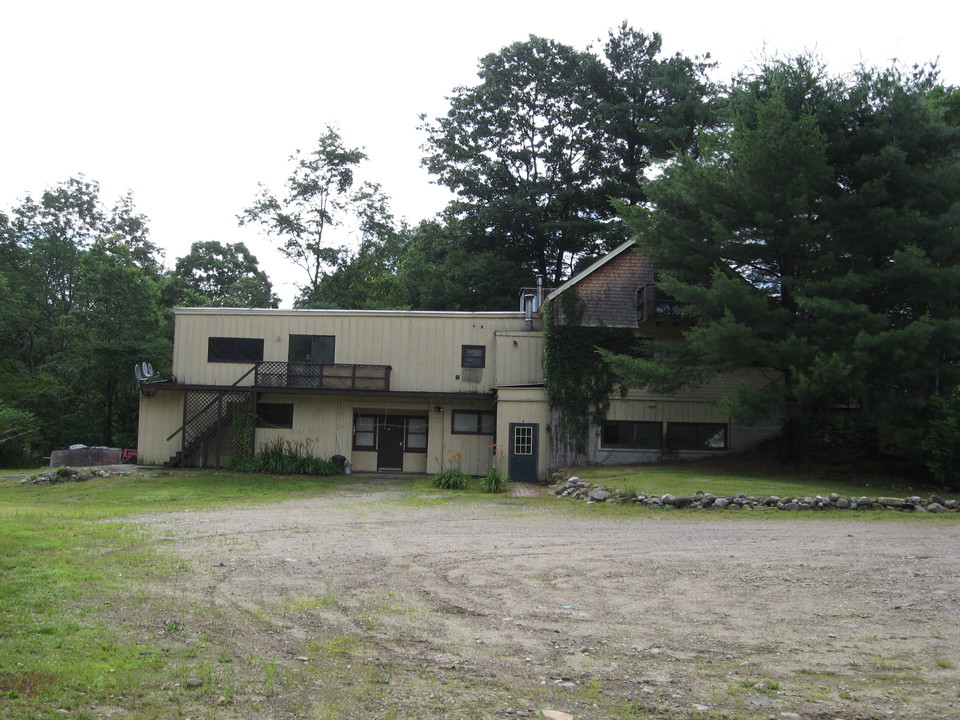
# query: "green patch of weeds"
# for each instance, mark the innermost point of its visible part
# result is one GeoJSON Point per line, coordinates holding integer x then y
{"type": "Point", "coordinates": [321, 602]}
{"type": "Point", "coordinates": [942, 662]}
{"type": "Point", "coordinates": [337, 644]}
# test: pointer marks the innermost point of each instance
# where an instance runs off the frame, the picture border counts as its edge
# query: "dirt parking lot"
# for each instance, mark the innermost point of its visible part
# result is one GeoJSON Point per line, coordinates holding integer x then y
{"type": "Point", "coordinates": [380, 604]}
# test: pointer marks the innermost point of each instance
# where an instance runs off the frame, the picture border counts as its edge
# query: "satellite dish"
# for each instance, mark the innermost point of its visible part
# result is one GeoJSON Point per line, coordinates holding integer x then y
{"type": "Point", "coordinates": [145, 370]}
{"type": "Point", "coordinates": [138, 372]}
{"type": "Point", "coordinates": [149, 370]}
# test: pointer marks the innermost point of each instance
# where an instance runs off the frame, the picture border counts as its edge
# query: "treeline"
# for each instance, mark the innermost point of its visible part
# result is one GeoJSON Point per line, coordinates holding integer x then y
{"type": "Point", "coordinates": [84, 297]}
{"type": "Point", "coordinates": [792, 210]}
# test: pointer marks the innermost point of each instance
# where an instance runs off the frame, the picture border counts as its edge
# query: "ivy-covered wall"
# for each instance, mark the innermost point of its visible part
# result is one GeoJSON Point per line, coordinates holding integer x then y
{"type": "Point", "coordinates": [578, 381]}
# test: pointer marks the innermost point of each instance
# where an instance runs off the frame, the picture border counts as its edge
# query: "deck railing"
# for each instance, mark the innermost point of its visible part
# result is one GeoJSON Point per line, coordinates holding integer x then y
{"type": "Point", "coordinates": [312, 376]}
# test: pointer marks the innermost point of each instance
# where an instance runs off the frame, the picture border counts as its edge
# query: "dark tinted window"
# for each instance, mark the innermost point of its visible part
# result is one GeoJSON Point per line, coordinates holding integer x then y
{"type": "Point", "coordinates": [238, 350]}
{"type": "Point", "coordinates": [696, 436]}
{"type": "Point", "coordinates": [275, 415]}
{"type": "Point", "coordinates": [624, 434]}
{"type": "Point", "coordinates": [473, 356]}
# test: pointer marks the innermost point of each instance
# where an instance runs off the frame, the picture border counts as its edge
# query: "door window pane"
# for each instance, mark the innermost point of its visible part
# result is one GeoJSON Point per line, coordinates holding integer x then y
{"type": "Point", "coordinates": [523, 440]}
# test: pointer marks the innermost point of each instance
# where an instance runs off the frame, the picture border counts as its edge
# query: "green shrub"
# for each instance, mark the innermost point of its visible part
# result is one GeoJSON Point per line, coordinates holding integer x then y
{"type": "Point", "coordinates": [942, 442]}
{"type": "Point", "coordinates": [493, 482]}
{"type": "Point", "coordinates": [450, 479]}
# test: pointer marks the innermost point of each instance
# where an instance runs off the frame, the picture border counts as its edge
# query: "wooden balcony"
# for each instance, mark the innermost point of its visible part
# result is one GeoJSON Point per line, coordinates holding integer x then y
{"type": "Point", "coordinates": [311, 376]}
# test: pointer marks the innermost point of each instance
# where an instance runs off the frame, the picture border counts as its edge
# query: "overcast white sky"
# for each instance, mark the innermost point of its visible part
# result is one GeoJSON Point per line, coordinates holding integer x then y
{"type": "Point", "coordinates": [191, 104]}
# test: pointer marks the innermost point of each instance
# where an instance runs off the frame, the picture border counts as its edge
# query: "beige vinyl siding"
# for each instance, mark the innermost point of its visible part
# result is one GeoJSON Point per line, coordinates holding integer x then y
{"type": "Point", "coordinates": [423, 349]}
{"type": "Point", "coordinates": [665, 410]}
{"type": "Point", "coordinates": [316, 423]}
{"type": "Point", "coordinates": [519, 358]}
{"type": "Point", "coordinates": [475, 448]}
{"type": "Point", "coordinates": [325, 423]}
{"type": "Point", "coordinates": [160, 415]}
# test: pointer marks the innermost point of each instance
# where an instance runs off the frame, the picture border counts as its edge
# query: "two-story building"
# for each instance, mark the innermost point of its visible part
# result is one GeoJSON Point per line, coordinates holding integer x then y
{"type": "Point", "coordinates": [402, 391]}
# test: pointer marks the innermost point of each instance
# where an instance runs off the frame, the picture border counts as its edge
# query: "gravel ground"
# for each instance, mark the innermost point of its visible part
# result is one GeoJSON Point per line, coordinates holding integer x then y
{"type": "Point", "coordinates": [382, 604]}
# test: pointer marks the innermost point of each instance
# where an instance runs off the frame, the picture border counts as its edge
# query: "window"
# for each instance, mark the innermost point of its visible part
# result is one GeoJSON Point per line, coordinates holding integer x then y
{"type": "Point", "coordinates": [474, 423]}
{"type": "Point", "coordinates": [274, 415]}
{"type": "Point", "coordinates": [317, 349]}
{"type": "Point", "coordinates": [416, 440]}
{"type": "Point", "coordinates": [236, 350]}
{"type": "Point", "coordinates": [697, 436]}
{"type": "Point", "coordinates": [523, 440]}
{"type": "Point", "coordinates": [630, 435]}
{"type": "Point", "coordinates": [365, 433]}
{"type": "Point", "coordinates": [473, 356]}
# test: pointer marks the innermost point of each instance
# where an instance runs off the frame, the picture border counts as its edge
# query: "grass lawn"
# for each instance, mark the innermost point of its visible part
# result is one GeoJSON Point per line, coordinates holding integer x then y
{"type": "Point", "coordinates": [63, 570]}
{"type": "Point", "coordinates": [754, 476]}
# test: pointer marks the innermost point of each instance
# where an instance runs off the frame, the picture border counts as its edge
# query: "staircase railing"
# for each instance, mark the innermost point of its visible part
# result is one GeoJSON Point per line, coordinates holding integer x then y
{"type": "Point", "coordinates": [206, 407]}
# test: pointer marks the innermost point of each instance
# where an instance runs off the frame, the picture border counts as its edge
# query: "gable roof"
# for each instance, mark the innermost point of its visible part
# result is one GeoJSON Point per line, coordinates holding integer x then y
{"type": "Point", "coordinates": [590, 269]}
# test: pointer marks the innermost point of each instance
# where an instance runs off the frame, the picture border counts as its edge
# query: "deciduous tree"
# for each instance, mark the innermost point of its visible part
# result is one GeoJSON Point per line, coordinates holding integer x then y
{"type": "Point", "coordinates": [321, 195]}
{"type": "Point", "coordinates": [535, 151]}
{"type": "Point", "coordinates": [225, 276]}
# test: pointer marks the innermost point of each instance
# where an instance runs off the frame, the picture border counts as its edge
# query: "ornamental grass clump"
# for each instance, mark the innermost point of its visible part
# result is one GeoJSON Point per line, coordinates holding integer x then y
{"type": "Point", "coordinates": [495, 481]}
{"type": "Point", "coordinates": [450, 477]}
{"type": "Point", "coordinates": [281, 457]}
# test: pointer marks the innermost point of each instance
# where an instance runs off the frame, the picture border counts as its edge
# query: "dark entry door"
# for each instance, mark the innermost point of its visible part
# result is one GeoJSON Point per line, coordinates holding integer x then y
{"type": "Point", "coordinates": [390, 443]}
{"type": "Point", "coordinates": [523, 452]}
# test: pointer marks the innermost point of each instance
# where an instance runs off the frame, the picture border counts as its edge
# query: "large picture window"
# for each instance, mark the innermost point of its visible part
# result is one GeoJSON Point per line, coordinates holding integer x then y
{"type": "Point", "coordinates": [235, 350]}
{"type": "Point", "coordinates": [631, 435]}
{"type": "Point", "coordinates": [474, 423]}
{"type": "Point", "coordinates": [696, 436]}
{"type": "Point", "coordinates": [274, 415]}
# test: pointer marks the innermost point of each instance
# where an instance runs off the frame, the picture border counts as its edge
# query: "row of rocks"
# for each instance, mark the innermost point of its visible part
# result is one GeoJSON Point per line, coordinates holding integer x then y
{"type": "Point", "coordinates": [581, 490]}
{"type": "Point", "coordinates": [67, 474]}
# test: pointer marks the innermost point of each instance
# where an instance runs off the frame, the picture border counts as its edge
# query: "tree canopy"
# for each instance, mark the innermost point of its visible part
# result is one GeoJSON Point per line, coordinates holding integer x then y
{"type": "Point", "coordinates": [224, 275]}
{"type": "Point", "coordinates": [815, 238]}
{"type": "Point", "coordinates": [538, 147]}
{"type": "Point", "coordinates": [79, 284]}
{"type": "Point", "coordinates": [321, 195]}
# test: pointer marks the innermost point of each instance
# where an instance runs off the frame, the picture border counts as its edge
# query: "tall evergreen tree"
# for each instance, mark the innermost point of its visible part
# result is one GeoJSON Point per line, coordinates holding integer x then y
{"type": "Point", "coordinates": [817, 239]}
